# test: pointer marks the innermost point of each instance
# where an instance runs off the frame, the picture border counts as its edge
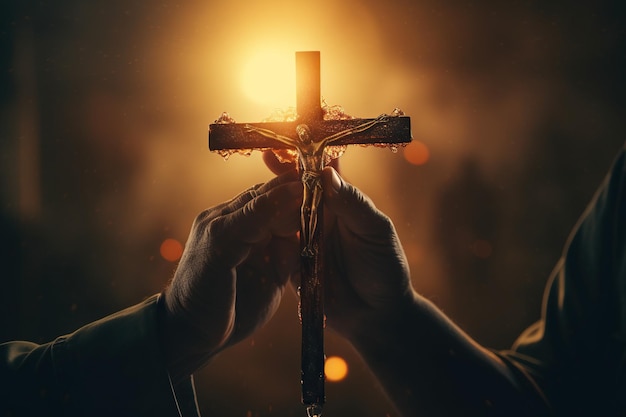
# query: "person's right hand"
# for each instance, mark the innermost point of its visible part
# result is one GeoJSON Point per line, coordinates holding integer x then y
{"type": "Point", "coordinates": [367, 277]}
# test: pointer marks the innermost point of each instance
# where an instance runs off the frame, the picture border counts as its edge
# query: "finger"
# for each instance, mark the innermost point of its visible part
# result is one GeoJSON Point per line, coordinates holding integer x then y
{"type": "Point", "coordinates": [277, 166]}
{"type": "Point", "coordinates": [335, 164]}
{"type": "Point", "coordinates": [238, 201]}
{"type": "Point", "coordinates": [258, 189]}
{"type": "Point", "coordinates": [273, 213]}
{"type": "Point", "coordinates": [282, 178]}
{"type": "Point", "coordinates": [228, 206]}
{"type": "Point", "coordinates": [245, 196]}
{"type": "Point", "coordinates": [356, 210]}
{"type": "Point", "coordinates": [257, 287]}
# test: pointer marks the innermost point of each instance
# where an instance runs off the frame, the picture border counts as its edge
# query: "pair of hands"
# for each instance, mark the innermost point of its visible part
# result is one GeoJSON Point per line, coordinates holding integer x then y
{"type": "Point", "coordinates": [241, 255]}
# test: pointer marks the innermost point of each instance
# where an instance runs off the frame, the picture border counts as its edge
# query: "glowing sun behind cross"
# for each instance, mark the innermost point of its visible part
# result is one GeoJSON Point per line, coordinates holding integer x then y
{"type": "Point", "coordinates": [268, 78]}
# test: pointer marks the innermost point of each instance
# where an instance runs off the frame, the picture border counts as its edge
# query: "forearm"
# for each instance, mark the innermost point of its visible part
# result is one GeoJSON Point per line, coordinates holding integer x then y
{"type": "Point", "coordinates": [109, 367]}
{"type": "Point", "coordinates": [428, 366]}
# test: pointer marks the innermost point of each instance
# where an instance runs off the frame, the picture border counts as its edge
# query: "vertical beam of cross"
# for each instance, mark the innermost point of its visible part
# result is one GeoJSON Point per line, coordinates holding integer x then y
{"type": "Point", "coordinates": [308, 87]}
{"type": "Point", "coordinates": [308, 106]}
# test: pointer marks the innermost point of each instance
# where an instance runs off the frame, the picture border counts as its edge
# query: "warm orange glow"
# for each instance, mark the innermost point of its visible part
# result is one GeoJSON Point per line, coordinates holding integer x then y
{"type": "Point", "coordinates": [416, 153]}
{"type": "Point", "coordinates": [171, 250]}
{"type": "Point", "coordinates": [268, 77]}
{"type": "Point", "coordinates": [335, 368]}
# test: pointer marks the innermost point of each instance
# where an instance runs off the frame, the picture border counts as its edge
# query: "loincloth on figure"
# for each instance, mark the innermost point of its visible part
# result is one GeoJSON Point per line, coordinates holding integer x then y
{"type": "Point", "coordinates": [312, 179]}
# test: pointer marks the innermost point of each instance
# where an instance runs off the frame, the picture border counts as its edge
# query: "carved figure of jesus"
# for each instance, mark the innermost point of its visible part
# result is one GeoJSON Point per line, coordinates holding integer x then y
{"type": "Point", "coordinates": [311, 163]}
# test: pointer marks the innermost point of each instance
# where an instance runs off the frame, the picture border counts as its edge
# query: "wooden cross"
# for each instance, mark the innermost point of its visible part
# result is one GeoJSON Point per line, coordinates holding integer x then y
{"type": "Point", "coordinates": [387, 130]}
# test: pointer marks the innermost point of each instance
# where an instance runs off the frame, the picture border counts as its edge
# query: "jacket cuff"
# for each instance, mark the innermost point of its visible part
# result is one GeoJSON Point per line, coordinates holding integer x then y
{"type": "Point", "coordinates": [115, 366]}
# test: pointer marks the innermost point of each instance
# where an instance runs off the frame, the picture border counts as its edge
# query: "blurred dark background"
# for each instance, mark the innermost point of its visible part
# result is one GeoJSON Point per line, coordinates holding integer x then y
{"type": "Point", "coordinates": [517, 111]}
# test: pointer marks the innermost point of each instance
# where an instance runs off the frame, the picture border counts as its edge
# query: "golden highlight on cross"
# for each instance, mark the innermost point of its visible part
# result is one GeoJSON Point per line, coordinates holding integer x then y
{"type": "Point", "coordinates": [310, 135]}
{"type": "Point", "coordinates": [311, 160]}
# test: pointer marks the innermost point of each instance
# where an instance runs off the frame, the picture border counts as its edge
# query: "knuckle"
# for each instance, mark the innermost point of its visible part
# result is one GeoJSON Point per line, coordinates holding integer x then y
{"type": "Point", "coordinates": [385, 222]}
{"type": "Point", "coordinates": [215, 227]}
{"type": "Point", "coordinates": [382, 223]}
{"type": "Point", "coordinates": [257, 204]}
{"type": "Point", "coordinates": [204, 217]}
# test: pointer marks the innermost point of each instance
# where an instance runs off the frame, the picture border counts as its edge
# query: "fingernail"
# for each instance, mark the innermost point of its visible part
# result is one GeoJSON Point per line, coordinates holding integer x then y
{"type": "Point", "coordinates": [336, 182]}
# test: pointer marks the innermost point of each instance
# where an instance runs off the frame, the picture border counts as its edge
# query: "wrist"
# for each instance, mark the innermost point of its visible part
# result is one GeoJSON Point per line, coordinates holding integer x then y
{"type": "Point", "coordinates": [385, 331]}
{"type": "Point", "coordinates": [178, 343]}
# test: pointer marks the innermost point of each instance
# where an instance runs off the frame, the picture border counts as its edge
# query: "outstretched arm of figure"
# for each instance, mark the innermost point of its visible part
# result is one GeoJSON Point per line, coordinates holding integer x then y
{"type": "Point", "coordinates": [272, 135]}
{"type": "Point", "coordinates": [383, 118]}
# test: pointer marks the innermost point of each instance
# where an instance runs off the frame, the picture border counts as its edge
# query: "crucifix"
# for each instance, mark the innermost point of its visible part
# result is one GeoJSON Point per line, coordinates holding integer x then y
{"type": "Point", "coordinates": [310, 135]}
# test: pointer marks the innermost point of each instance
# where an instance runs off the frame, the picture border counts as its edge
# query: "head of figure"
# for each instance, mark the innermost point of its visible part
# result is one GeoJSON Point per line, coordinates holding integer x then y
{"type": "Point", "coordinates": [304, 134]}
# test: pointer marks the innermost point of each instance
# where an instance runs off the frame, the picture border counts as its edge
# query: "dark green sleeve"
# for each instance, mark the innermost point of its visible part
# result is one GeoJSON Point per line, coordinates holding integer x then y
{"type": "Point", "coordinates": [112, 367]}
{"type": "Point", "coordinates": [576, 353]}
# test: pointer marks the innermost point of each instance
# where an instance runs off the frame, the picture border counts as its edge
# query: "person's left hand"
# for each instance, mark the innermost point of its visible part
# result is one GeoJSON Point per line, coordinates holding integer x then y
{"type": "Point", "coordinates": [238, 259]}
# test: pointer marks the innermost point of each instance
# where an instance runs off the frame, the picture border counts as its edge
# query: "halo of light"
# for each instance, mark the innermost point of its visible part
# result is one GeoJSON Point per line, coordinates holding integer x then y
{"type": "Point", "coordinates": [171, 250]}
{"type": "Point", "coordinates": [335, 368]}
{"type": "Point", "coordinates": [268, 77]}
{"type": "Point", "coordinates": [416, 153]}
